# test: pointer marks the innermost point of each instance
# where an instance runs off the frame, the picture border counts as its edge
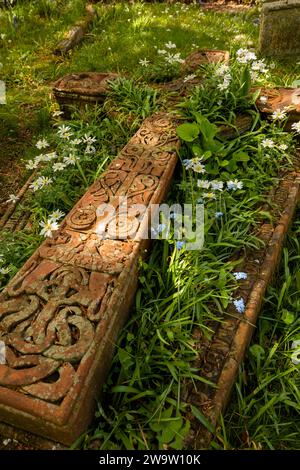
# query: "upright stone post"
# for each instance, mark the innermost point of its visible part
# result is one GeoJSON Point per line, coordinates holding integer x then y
{"type": "Point", "coordinates": [280, 29]}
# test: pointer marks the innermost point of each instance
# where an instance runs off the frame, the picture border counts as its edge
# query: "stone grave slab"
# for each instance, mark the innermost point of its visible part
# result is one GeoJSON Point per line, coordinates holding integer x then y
{"type": "Point", "coordinates": [82, 88]}
{"type": "Point", "coordinates": [61, 314]}
{"type": "Point", "coordinates": [280, 98]}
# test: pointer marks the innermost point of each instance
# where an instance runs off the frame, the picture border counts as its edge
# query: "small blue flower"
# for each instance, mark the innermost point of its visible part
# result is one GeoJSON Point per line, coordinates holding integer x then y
{"type": "Point", "coordinates": [200, 201]}
{"type": "Point", "coordinates": [240, 275]}
{"type": "Point", "coordinates": [218, 215]}
{"type": "Point", "coordinates": [180, 244]}
{"type": "Point", "coordinates": [173, 215]}
{"type": "Point", "coordinates": [239, 305]}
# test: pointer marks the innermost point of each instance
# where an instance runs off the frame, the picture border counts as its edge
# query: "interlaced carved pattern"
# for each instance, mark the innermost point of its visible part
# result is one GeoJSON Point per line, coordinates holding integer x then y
{"type": "Point", "coordinates": [56, 315]}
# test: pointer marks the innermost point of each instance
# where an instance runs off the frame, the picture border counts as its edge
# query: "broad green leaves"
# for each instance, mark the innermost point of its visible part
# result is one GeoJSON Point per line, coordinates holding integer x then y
{"type": "Point", "coordinates": [207, 131]}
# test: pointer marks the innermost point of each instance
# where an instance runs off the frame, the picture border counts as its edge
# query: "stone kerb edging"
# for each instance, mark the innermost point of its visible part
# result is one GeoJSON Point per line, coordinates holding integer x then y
{"type": "Point", "coordinates": [219, 359]}
{"type": "Point", "coordinates": [82, 88]}
{"type": "Point", "coordinates": [61, 314]}
{"type": "Point", "coordinates": [93, 87]}
{"type": "Point", "coordinates": [204, 56]}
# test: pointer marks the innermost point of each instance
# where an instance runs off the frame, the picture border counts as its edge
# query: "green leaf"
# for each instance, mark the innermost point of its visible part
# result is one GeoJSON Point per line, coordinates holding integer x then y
{"type": "Point", "coordinates": [287, 317]}
{"type": "Point", "coordinates": [125, 359]}
{"type": "Point", "coordinates": [170, 334]}
{"type": "Point", "coordinates": [255, 95]}
{"type": "Point", "coordinates": [124, 389]}
{"type": "Point", "coordinates": [222, 278]}
{"type": "Point", "coordinates": [160, 424]}
{"type": "Point", "coordinates": [207, 155]}
{"type": "Point", "coordinates": [171, 429]}
{"type": "Point", "coordinates": [225, 298]}
{"type": "Point", "coordinates": [208, 130]}
{"type": "Point", "coordinates": [212, 145]}
{"type": "Point", "coordinates": [212, 169]}
{"type": "Point", "coordinates": [178, 442]}
{"type": "Point", "coordinates": [224, 162]}
{"type": "Point", "coordinates": [188, 131]}
{"type": "Point", "coordinates": [161, 338]}
{"type": "Point", "coordinates": [232, 166]}
{"type": "Point", "coordinates": [167, 413]}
